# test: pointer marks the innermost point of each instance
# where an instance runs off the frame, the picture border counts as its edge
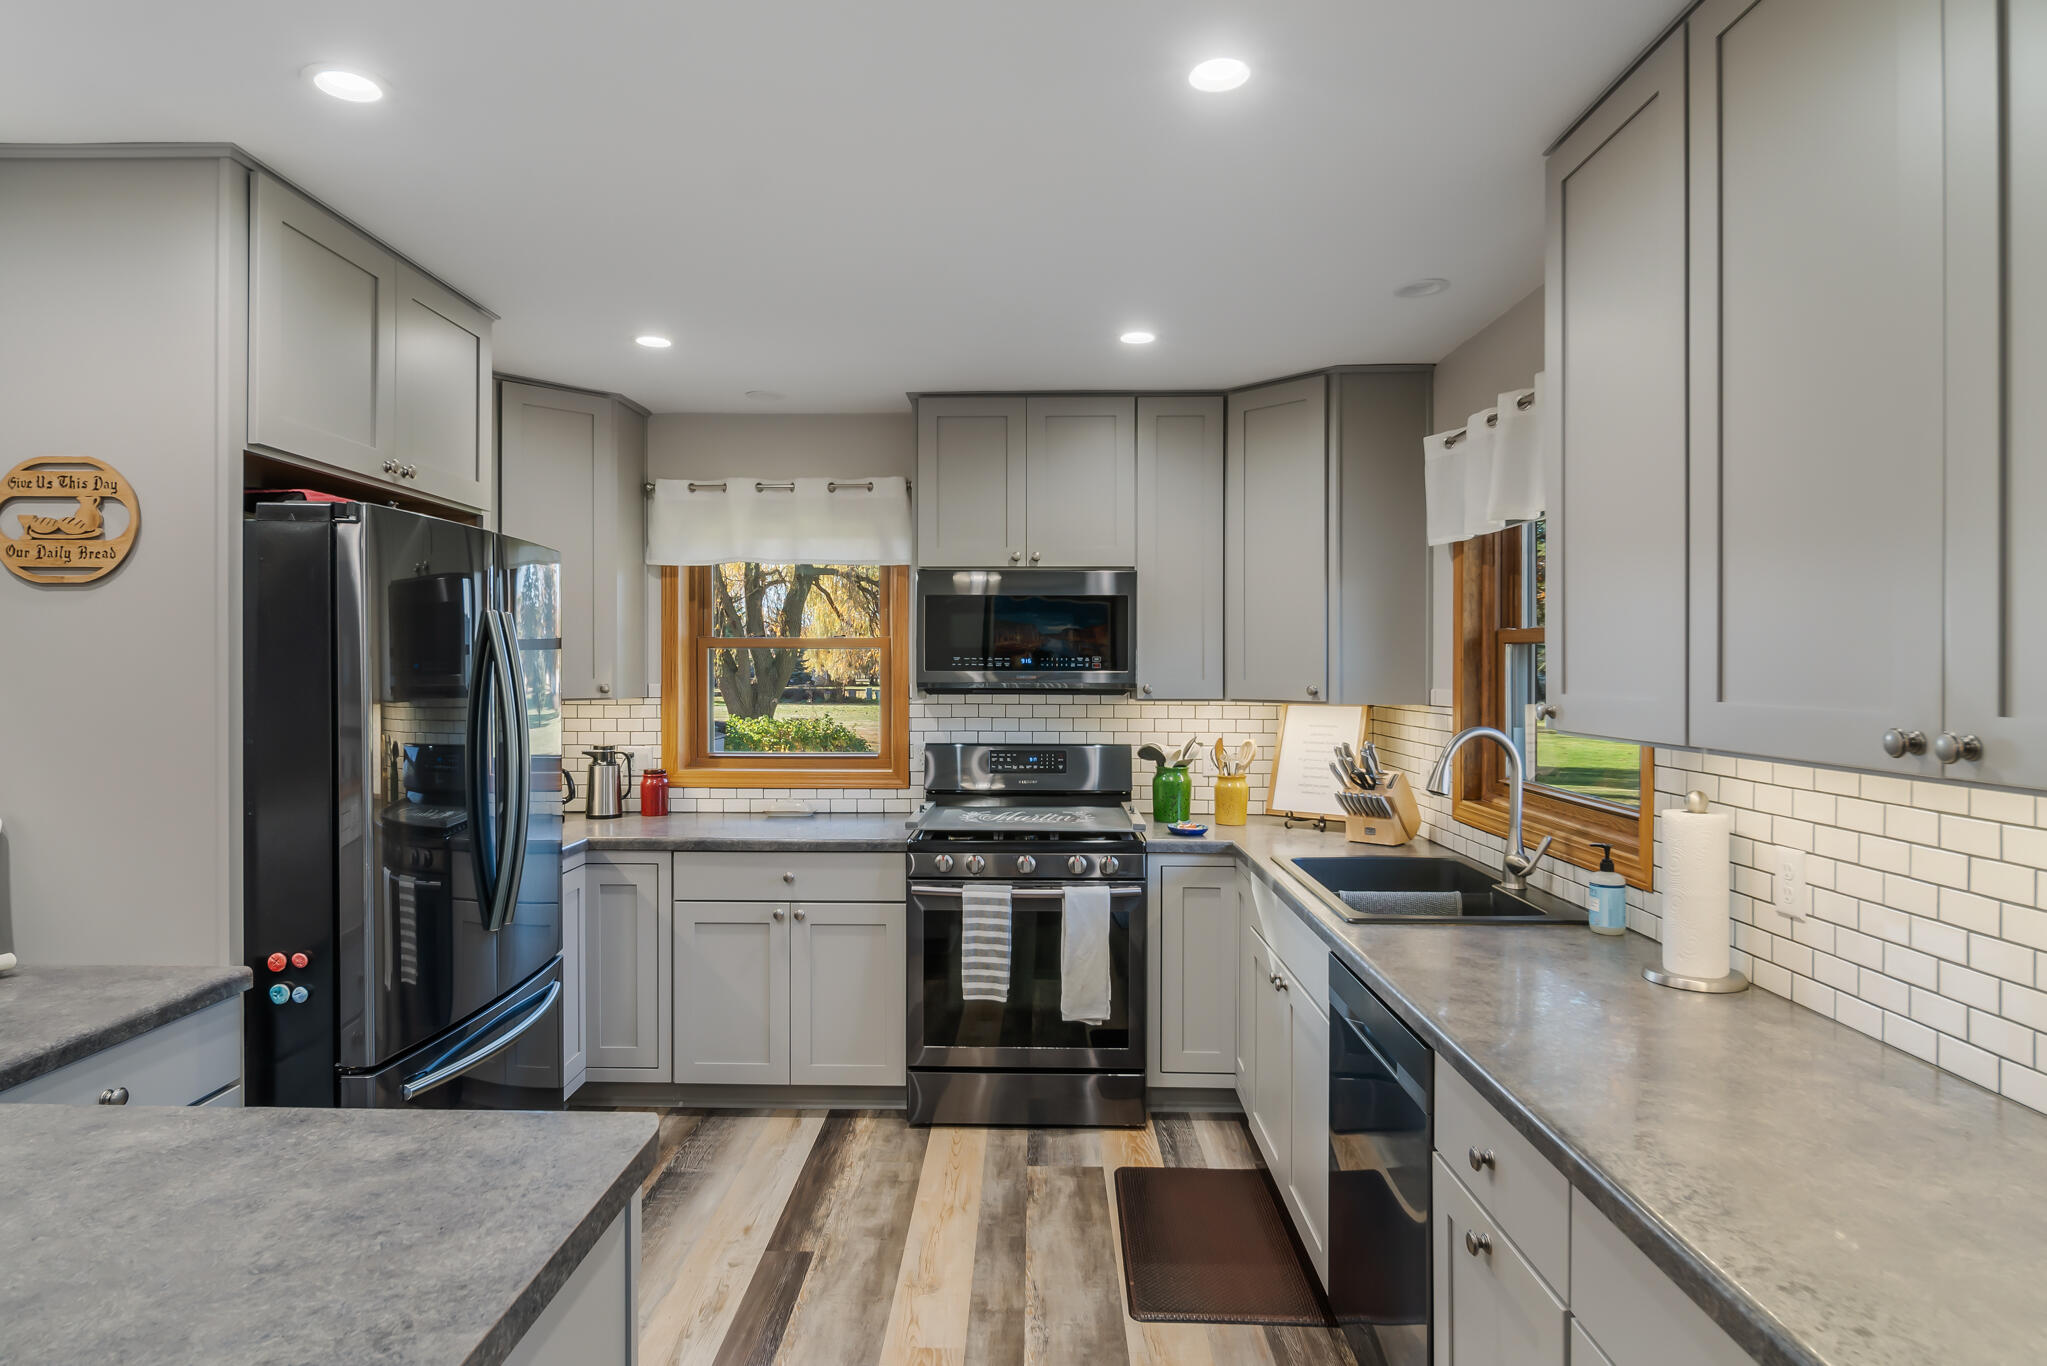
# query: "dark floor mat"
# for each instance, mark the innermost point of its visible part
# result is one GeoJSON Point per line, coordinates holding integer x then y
{"type": "Point", "coordinates": [1211, 1245]}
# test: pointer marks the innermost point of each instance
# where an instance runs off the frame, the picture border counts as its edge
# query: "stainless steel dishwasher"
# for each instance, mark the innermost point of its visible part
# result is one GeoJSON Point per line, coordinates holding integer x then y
{"type": "Point", "coordinates": [1380, 1079]}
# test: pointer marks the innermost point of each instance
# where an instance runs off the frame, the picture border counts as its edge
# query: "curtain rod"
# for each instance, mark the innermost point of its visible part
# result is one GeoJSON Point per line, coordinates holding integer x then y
{"type": "Point", "coordinates": [774, 486]}
{"type": "Point", "coordinates": [1524, 403]}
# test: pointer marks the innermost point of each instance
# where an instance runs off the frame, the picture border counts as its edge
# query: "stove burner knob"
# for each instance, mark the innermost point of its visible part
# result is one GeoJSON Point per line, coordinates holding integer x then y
{"type": "Point", "coordinates": [943, 863]}
{"type": "Point", "coordinates": [1077, 864]}
{"type": "Point", "coordinates": [976, 864]}
{"type": "Point", "coordinates": [1108, 863]}
{"type": "Point", "coordinates": [1025, 863]}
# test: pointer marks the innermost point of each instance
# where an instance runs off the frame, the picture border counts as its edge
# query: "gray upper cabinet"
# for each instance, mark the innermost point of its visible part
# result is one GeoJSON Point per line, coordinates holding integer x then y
{"type": "Point", "coordinates": [443, 392]}
{"type": "Point", "coordinates": [1997, 412]}
{"type": "Point", "coordinates": [1616, 419]}
{"type": "Point", "coordinates": [1274, 543]}
{"type": "Point", "coordinates": [1080, 481]}
{"type": "Point", "coordinates": [1818, 400]}
{"type": "Point", "coordinates": [1179, 573]}
{"type": "Point", "coordinates": [572, 469]}
{"type": "Point", "coordinates": [970, 481]}
{"type": "Point", "coordinates": [322, 345]}
{"type": "Point", "coordinates": [1325, 557]}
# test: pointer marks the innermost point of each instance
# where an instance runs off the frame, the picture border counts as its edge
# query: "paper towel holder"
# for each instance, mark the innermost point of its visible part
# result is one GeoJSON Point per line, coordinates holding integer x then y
{"type": "Point", "coordinates": [1695, 801]}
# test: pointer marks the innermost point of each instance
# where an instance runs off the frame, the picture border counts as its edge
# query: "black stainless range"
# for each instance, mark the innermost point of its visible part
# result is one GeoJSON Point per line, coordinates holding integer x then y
{"type": "Point", "coordinates": [1040, 820]}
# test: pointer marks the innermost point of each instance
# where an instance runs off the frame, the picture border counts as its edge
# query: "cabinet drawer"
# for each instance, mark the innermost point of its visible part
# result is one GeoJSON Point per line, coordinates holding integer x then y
{"type": "Point", "coordinates": [1519, 1188]}
{"type": "Point", "coordinates": [768, 876]}
{"type": "Point", "coordinates": [1490, 1305]}
{"type": "Point", "coordinates": [180, 1063]}
{"type": "Point", "coordinates": [1633, 1311]}
{"type": "Point", "coordinates": [1298, 948]}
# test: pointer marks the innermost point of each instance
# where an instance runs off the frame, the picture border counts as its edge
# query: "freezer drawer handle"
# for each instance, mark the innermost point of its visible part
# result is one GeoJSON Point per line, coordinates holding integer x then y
{"type": "Point", "coordinates": [455, 1067]}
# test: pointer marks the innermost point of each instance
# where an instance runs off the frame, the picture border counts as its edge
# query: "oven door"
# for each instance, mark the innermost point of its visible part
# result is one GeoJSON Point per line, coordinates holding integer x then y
{"type": "Point", "coordinates": [996, 630]}
{"type": "Point", "coordinates": [1026, 1031]}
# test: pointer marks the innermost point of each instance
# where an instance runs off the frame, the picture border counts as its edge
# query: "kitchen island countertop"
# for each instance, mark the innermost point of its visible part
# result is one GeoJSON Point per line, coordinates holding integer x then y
{"type": "Point", "coordinates": [53, 1016]}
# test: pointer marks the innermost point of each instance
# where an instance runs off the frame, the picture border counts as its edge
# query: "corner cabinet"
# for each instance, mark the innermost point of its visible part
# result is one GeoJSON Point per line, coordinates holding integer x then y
{"type": "Point", "coordinates": [1044, 480]}
{"type": "Point", "coordinates": [361, 362]}
{"type": "Point", "coordinates": [1325, 591]}
{"type": "Point", "coordinates": [1179, 571]}
{"type": "Point", "coordinates": [573, 467]}
{"type": "Point", "coordinates": [1616, 440]}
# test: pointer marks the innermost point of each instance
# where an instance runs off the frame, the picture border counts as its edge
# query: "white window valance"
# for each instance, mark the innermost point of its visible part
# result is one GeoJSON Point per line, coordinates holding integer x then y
{"type": "Point", "coordinates": [779, 521]}
{"type": "Point", "coordinates": [1489, 473]}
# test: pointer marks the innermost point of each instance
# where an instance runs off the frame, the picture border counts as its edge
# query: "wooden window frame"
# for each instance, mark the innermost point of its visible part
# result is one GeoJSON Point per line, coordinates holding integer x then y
{"type": "Point", "coordinates": [686, 638]}
{"type": "Point", "coordinates": [1487, 616]}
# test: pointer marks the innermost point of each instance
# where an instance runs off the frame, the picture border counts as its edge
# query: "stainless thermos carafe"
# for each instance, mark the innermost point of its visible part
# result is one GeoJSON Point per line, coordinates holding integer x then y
{"type": "Point", "coordinates": [605, 783]}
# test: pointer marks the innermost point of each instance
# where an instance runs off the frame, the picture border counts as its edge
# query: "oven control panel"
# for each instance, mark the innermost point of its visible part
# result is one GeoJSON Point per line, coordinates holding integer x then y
{"type": "Point", "coordinates": [1027, 760]}
{"type": "Point", "coordinates": [963, 860]}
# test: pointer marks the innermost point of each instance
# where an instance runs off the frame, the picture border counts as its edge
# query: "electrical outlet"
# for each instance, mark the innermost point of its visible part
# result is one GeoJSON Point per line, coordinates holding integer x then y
{"type": "Point", "coordinates": [1794, 894]}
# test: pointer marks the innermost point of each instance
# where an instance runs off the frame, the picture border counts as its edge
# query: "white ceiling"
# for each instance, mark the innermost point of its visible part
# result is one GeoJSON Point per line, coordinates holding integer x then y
{"type": "Point", "coordinates": [843, 201]}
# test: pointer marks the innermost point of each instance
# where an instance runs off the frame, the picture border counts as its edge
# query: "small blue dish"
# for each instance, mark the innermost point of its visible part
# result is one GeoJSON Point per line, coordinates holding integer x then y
{"type": "Point", "coordinates": [1188, 829]}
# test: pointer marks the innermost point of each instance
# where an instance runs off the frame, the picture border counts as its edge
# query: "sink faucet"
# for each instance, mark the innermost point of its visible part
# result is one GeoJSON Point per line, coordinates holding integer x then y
{"type": "Point", "coordinates": [1519, 862]}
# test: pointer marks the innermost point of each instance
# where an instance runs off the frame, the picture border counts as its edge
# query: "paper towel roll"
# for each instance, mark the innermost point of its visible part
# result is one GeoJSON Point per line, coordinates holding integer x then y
{"type": "Point", "coordinates": [1696, 934]}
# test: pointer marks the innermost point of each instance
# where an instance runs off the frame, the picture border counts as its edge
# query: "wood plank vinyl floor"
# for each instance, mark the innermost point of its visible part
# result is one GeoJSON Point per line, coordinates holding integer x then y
{"type": "Point", "coordinates": [845, 1237]}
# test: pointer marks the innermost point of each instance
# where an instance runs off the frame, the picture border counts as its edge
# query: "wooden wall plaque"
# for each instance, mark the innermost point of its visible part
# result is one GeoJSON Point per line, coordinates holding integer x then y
{"type": "Point", "coordinates": [59, 544]}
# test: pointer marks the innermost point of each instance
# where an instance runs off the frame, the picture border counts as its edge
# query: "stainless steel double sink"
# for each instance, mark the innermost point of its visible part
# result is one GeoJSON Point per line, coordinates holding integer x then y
{"type": "Point", "coordinates": [1410, 888]}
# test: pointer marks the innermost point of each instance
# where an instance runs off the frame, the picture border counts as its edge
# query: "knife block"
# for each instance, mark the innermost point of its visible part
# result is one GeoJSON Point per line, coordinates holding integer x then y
{"type": "Point", "coordinates": [1406, 822]}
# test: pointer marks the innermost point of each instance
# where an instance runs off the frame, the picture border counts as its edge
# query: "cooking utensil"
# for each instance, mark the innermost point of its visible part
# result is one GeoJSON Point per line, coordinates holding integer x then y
{"type": "Point", "coordinates": [1343, 777]}
{"type": "Point", "coordinates": [1372, 765]}
{"type": "Point", "coordinates": [1187, 752]}
{"type": "Point", "coordinates": [1247, 755]}
{"type": "Point", "coordinates": [1153, 753]}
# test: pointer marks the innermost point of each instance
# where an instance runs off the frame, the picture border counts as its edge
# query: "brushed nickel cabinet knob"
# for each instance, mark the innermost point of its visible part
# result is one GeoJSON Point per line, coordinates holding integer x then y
{"type": "Point", "coordinates": [1950, 748]}
{"type": "Point", "coordinates": [1898, 743]}
{"type": "Point", "coordinates": [1476, 1243]}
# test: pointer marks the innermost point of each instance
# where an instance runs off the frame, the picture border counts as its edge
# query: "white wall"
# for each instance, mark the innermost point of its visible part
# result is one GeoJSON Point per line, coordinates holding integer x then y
{"type": "Point", "coordinates": [120, 338]}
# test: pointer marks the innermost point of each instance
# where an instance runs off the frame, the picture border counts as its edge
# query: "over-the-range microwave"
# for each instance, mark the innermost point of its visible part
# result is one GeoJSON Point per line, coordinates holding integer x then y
{"type": "Point", "coordinates": [1037, 630]}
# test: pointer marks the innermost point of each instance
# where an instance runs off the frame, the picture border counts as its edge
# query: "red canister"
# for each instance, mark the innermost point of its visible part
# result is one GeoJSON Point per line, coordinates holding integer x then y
{"type": "Point", "coordinates": [654, 792]}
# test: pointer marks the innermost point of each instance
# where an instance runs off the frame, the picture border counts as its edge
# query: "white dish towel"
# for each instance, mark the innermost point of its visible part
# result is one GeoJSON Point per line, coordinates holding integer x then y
{"type": "Point", "coordinates": [1084, 955]}
{"type": "Point", "coordinates": [984, 941]}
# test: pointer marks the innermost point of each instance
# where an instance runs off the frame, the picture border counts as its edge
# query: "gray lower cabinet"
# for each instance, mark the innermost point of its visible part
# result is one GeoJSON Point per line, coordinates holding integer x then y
{"type": "Point", "coordinates": [1307, 1174]}
{"type": "Point", "coordinates": [592, 1320]}
{"type": "Point", "coordinates": [626, 934]}
{"type": "Point", "coordinates": [1818, 320]}
{"type": "Point", "coordinates": [732, 993]}
{"type": "Point", "coordinates": [1283, 1082]}
{"type": "Point", "coordinates": [1635, 1313]}
{"type": "Point", "coordinates": [1616, 434]}
{"type": "Point", "coordinates": [575, 954]}
{"type": "Point", "coordinates": [1491, 1309]}
{"type": "Point", "coordinates": [445, 441]}
{"type": "Point", "coordinates": [1194, 970]}
{"type": "Point", "coordinates": [970, 480]}
{"type": "Point", "coordinates": [846, 992]}
{"type": "Point", "coordinates": [572, 467]}
{"type": "Point", "coordinates": [193, 1060]}
{"type": "Point", "coordinates": [1179, 567]}
{"type": "Point", "coordinates": [1325, 555]}
{"type": "Point", "coordinates": [323, 312]}
{"type": "Point", "coordinates": [1080, 481]}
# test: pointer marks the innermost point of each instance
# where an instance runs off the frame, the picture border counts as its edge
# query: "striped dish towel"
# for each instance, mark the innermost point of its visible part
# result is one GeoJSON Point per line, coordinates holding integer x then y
{"type": "Point", "coordinates": [984, 942]}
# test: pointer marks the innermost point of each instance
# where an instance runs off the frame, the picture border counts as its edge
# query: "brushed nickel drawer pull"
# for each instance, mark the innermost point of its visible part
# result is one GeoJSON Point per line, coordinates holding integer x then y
{"type": "Point", "coordinates": [1480, 1160]}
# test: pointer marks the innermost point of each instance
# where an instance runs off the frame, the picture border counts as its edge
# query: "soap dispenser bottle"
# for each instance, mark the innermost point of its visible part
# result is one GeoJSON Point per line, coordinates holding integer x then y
{"type": "Point", "coordinates": [1607, 897]}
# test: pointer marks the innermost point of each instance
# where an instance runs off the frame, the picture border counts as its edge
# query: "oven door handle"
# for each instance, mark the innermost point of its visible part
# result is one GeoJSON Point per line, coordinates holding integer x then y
{"type": "Point", "coordinates": [1032, 893]}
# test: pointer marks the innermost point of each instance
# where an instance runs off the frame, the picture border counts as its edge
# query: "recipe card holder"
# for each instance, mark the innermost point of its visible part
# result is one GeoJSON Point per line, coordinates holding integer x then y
{"type": "Point", "coordinates": [1406, 822]}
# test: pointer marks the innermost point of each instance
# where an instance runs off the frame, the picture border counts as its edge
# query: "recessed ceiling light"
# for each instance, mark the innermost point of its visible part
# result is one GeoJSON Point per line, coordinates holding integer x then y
{"type": "Point", "coordinates": [1218, 74]}
{"type": "Point", "coordinates": [346, 85]}
{"type": "Point", "coordinates": [1421, 289]}
{"type": "Point", "coordinates": [654, 343]}
{"type": "Point", "coordinates": [1138, 338]}
{"type": "Point", "coordinates": [766, 395]}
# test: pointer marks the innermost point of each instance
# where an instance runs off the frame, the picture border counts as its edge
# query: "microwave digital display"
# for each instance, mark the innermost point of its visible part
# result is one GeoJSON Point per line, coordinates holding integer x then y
{"type": "Point", "coordinates": [998, 632]}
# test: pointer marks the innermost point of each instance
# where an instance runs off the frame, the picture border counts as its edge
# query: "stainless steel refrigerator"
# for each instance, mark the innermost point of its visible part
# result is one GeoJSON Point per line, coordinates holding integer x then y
{"type": "Point", "coordinates": [402, 761]}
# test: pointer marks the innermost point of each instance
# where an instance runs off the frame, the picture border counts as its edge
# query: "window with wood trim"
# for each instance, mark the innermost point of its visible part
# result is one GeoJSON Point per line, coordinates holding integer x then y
{"type": "Point", "coordinates": [785, 675]}
{"type": "Point", "coordinates": [1581, 789]}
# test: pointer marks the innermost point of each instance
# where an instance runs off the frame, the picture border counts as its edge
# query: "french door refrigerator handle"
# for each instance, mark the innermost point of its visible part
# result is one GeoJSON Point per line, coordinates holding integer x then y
{"type": "Point", "coordinates": [518, 766]}
{"type": "Point", "coordinates": [477, 754]}
{"type": "Point", "coordinates": [422, 1082]}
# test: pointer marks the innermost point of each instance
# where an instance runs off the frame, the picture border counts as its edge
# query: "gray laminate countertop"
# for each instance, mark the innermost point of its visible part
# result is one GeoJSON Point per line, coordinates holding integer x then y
{"type": "Point", "coordinates": [53, 1016]}
{"type": "Point", "coordinates": [702, 831]}
{"type": "Point", "coordinates": [274, 1236]}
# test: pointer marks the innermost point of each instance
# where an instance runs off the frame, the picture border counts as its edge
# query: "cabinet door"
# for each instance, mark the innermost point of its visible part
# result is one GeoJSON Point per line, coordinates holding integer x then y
{"type": "Point", "coordinates": [1179, 570]}
{"type": "Point", "coordinates": [1272, 1068]}
{"type": "Point", "coordinates": [443, 386]}
{"type": "Point", "coordinates": [558, 455]}
{"type": "Point", "coordinates": [1275, 566]}
{"type": "Point", "coordinates": [970, 481]}
{"type": "Point", "coordinates": [1584, 1351]}
{"type": "Point", "coordinates": [1080, 486]}
{"type": "Point", "coordinates": [1615, 610]}
{"type": "Point", "coordinates": [1997, 409]}
{"type": "Point", "coordinates": [1197, 956]}
{"type": "Point", "coordinates": [846, 992]}
{"type": "Point", "coordinates": [323, 314]}
{"type": "Point", "coordinates": [575, 1037]}
{"type": "Point", "coordinates": [732, 992]}
{"type": "Point", "coordinates": [625, 932]}
{"type": "Point", "coordinates": [1251, 971]}
{"type": "Point", "coordinates": [1818, 384]}
{"type": "Point", "coordinates": [1307, 1179]}
{"type": "Point", "coordinates": [1490, 1309]}
{"type": "Point", "coordinates": [622, 561]}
